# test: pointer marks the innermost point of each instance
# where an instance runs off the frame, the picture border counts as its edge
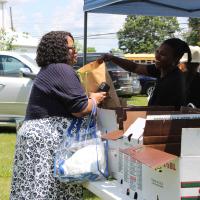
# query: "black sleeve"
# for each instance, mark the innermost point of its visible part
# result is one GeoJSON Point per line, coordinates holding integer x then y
{"type": "Point", "coordinates": [153, 71]}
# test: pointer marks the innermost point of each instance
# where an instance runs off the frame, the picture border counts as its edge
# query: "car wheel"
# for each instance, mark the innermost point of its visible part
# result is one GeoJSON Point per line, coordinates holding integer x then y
{"type": "Point", "coordinates": [149, 90]}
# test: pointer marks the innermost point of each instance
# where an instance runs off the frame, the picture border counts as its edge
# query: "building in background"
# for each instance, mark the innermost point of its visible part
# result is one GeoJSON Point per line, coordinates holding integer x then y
{"type": "Point", "coordinates": [3, 14]}
{"type": "Point", "coordinates": [23, 42]}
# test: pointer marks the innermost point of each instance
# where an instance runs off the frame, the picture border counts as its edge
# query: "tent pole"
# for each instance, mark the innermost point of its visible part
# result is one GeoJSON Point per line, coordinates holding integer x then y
{"type": "Point", "coordinates": [85, 39]}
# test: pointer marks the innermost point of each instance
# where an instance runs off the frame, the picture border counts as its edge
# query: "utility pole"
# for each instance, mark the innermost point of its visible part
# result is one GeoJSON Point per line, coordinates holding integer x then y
{"type": "Point", "coordinates": [11, 19]}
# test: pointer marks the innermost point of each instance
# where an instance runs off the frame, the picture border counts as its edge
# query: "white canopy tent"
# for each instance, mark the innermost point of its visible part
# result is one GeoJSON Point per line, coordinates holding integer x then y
{"type": "Point", "coordinates": [179, 8]}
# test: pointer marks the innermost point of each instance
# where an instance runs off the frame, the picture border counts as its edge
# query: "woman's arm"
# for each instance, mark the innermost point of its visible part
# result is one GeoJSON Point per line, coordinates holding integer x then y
{"type": "Point", "coordinates": [125, 64]}
{"type": "Point", "coordinates": [97, 97]}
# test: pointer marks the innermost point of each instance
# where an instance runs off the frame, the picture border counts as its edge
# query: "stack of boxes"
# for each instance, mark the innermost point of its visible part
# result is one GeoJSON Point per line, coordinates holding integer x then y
{"type": "Point", "coordinates": [115, 122]}
{"type": "Point", "coordinates": [163, 162]}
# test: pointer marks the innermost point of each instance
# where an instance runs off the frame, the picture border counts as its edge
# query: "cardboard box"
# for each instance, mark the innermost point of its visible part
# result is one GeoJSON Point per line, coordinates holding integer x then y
{"type": "Point", "coordinates": [166, 176]}
{"type": "Point", "coordinates": [109, 122]}
{"type": "Point", "coordinates": [133, 136]}
{"type": "Point", "coordinates": [159, 132]}
{"type": "Point", "coordinates": [131, 175]}
{"type": "Point", "coordinates": [116, 122]}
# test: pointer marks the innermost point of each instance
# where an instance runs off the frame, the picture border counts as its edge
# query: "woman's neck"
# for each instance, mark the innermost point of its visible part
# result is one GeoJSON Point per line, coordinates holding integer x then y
{"type": "Point", "coordinates": [167, 70]}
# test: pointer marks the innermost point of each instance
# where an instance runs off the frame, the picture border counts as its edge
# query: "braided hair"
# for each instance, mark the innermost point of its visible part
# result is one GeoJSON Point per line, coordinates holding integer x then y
{"type": "Point", "coordinates": [53, 48]}
{"type": "Point", "coordinates": [180, 47]}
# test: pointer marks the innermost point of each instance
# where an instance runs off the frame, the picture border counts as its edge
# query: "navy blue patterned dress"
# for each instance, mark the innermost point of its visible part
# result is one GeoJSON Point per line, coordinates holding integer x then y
{"type": "Point", "coordinates": [56, 93]}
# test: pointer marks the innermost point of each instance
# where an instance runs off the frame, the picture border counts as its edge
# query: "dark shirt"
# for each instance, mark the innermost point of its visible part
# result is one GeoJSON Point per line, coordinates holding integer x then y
{"type": "Point", "coordinates": [169, 90]}
{"type": "Point", "coordinates": [56, 91]}
{"type": "Point", "coordinates": [193, 94]}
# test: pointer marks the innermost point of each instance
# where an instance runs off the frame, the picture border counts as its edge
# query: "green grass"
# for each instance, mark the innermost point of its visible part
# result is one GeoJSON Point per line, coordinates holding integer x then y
{"type": "Point", "coordinates": [137, 100]}
{"type": "Point", "coordinates": [5, 188]}
{"type": "Point", "coordinates": [7, 146]}
{"type": "Point", "coordinates": [89, 195]}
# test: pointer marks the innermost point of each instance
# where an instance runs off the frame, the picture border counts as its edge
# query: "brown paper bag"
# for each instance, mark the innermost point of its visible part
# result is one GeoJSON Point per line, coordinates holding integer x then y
{"type": "Point", "coordinates": [92, 75]}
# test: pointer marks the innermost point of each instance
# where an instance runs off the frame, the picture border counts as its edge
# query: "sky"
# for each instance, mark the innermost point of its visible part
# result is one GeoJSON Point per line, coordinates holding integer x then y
{"type": "Point", "coordinates": [38, 17]}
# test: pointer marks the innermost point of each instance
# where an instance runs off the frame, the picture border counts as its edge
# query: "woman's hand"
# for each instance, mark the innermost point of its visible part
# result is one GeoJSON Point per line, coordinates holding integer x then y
{"type": "Point", "coordinates": [98, 97]}
{"type": "Point", "coordinates": [106, 57]}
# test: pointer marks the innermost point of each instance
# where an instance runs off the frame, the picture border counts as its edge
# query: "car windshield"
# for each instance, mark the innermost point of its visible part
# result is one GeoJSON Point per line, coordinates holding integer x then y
{"type": "Point", "coordinates": [29, 59]}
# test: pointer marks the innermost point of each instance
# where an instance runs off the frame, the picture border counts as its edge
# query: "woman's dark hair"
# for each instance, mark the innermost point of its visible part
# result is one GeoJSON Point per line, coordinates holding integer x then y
{"type": "Point", "coordinates": [180, 47]}
{"type": "Point", "coordinates": [53, 48]}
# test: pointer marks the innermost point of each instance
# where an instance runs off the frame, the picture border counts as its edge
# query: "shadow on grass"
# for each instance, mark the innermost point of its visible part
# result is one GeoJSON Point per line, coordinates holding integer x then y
{"type": "Point", "coordinates": [7, 130]}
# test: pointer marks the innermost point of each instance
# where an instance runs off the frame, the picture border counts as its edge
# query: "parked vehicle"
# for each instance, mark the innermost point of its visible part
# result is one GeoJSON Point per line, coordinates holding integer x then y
{"type": "Point", "coordinates": [142, 58]}
{"type": "Point", "coordinates": [16, 73]}
{"type": "Point", "coordinates": [147, 83]}
{"type": "Point", "coordinates": [125, 83]}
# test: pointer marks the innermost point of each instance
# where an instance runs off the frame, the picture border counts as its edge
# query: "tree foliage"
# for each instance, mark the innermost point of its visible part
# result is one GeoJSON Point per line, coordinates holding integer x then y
{"type": "Point", "coordinates": [115, 50]}
{"type": "Point", "coordinates": [6, 41]}
{"type": "Point", "coordinates": [142, 34]}
{"type": "Point", "coordinates": [79, 47]}
{"type": "Point", "coordinates": [91, 50]}
{"type": "Point", "coordinates": [193, 35]}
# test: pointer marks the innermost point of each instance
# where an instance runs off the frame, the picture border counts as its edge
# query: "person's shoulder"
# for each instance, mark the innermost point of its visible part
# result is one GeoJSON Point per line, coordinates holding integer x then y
{"type": "Point", "coordinates": [177, 72]}
{"type": "Point", "coordinates": [178, 77]}
{"type": "Point", "coordinates": [62, 68]}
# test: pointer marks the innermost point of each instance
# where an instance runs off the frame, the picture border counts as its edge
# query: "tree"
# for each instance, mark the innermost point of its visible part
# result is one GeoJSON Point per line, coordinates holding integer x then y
{"type": "Point", "coordinates": [6, 41]}
{"type": "Point", "coordinates": [114, 50]}
{"type": "Point", "coordinates": [193, 35]}
{"type": "Point", "coordinates": [79, 46]}
{"type": "Point", "coordinates": [142, 34]}
{"type": "Point", "coordinates": [91, 50]}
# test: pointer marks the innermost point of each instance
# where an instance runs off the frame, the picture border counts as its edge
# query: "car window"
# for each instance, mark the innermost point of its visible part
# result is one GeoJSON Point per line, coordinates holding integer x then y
{"type": "Point", "coordinates": [9, 66]}
{"type": "Point", "coordinates": [30, 59]}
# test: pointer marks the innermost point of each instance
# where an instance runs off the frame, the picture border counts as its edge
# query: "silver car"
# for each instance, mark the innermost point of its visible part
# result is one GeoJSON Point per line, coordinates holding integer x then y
{"type": "Point", "coordinates": [17, 72]}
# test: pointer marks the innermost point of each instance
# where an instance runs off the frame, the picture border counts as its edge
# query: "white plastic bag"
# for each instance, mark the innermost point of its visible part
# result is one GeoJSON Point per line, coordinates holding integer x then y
{"type": "Point", "coordinates": [82, 156]}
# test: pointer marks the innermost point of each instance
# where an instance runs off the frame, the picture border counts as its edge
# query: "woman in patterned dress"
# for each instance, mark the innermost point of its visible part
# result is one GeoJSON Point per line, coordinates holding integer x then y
{"type": "Point", "coordinates": [56, 98]}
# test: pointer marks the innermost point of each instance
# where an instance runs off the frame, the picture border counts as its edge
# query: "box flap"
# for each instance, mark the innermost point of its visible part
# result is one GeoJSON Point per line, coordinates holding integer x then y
{"type": "Point", "coordinates": [127, 115]}
{"type": "Point", "coordinates": [150, 156]}
{"type": "Point", "coordinates": [161, 139]}
{"type": "Point", "coordinates": [136, 129]}
{"type": "Point", "coordinates": [132, 117]}
{"type": "Point", "coordinates": [163, 125]}
{"type": "Point", "coordinates": [114, 135]}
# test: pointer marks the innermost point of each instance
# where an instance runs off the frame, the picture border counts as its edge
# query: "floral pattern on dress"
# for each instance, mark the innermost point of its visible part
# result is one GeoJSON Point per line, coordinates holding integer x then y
{"type": "Point", "coordinates": [37, 141]}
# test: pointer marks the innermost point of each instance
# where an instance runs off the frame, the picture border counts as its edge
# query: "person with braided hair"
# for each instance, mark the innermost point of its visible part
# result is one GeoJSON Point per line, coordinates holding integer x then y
{"type": "Point", "coordinates": [170, 88]}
